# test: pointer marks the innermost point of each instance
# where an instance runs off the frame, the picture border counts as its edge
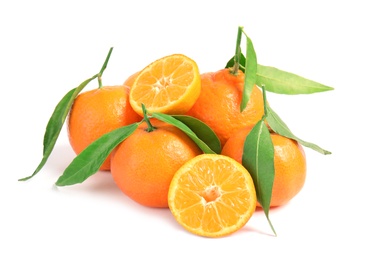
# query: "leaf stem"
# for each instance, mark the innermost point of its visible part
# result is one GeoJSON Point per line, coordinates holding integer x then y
{"type": "Point", "coordinates": [150, 127]}
{"type": "Point", "coordinates": [265, 101]}
{"type": "Point", "coordinates": [237, 54]}
{"type": "Point", "coordinates": [99, 80]}
{"type": "Point", "coordinates": [104, 67]}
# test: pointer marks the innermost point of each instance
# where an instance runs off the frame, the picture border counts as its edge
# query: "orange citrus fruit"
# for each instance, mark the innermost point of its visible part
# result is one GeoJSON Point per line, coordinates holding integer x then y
{"type": "Point", "coordinates": [97, 112]}
{"type": "Point", "coordinates": [143, 165]}
{"type": "Point", "coordinates": [212, 195]}
{"type": "Point", "coordinates": [168, 85]}
{"type": "Point", "coordinates": [289, 164]}
{"type": "Point", "coordinates": [219, 103]}
{"type": "Point", "coordinates": [130, 80]}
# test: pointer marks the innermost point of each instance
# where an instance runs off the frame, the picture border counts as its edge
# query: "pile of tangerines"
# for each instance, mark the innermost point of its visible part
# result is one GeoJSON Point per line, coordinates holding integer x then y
{"type": "Point", "coordinates": [144, 164]}
{"type": "Point", "coordinates": [159, 165]}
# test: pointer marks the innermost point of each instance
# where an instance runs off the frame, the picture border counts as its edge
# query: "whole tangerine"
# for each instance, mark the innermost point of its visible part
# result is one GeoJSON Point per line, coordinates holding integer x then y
{"type": "Point", "coordinates": [97, 112]}
{"type": "Point", "coordinates": [289, 164]}
{"type": "Point", "coordinates": [144, 164]}
{"type": "Point", "coordinates": [219, 103]}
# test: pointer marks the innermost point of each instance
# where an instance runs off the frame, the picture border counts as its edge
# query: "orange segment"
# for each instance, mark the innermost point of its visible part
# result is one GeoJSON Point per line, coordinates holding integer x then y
{"type": "Point", "coordinates": [169, 85]}
{"type": "Point", "coordinates": [212, 195]}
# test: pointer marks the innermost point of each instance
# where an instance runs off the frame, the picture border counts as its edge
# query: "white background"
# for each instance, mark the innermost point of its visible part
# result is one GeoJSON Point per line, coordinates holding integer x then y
{"type": "Point", "coordinates": [50, 47]}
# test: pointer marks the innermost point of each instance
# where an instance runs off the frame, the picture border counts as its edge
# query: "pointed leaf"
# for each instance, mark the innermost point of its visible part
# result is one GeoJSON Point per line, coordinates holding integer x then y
{"type": "Point", "coordinates": [278, 126]}
{"type": "Point", "coordinates": [177, 123]}
{"type": "Point", "coordinates": [56, 122]}
{"type": "Point", "coordinates": [242, 61]}
{"type": "Point", "coordinates": [282, 82]}
{"type": "Point", "coordinates": [250, 73]}
{"type": "Point", "coordinates": [258, 159]}
{"type": "Point", "coordinates": [59, 115]}
{"type": "Point", "coordinates": [88, 162]}
{"type": "Point", "coordinates": [202, 131]}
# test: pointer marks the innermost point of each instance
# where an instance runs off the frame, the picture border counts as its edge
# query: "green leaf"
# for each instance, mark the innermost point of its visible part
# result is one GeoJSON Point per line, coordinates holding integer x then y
{"type": "Point", "coordinates": [202, 131]}
{"type": "Point", "coordinates": [88, 162]}
{"type": "Point", "coordinates": [250, 73]}
{"type": "Point", "coordinates": [56, 122]}
{"type": "Point", "coordinates": [282, 82]}
{"type": "Point", "coordinates": [242, 61]}
{"type": "Point", "coordinates": [258, 159]}
{"type": "Point", "coordinates": [177, 123]}
{"type": "Point", "coordinates": [278, 126]}
{"type": "Point", "coordinates": [59, 115]}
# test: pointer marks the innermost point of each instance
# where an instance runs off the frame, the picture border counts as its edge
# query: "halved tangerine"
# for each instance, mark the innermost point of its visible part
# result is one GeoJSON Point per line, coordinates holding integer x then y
{"type": "Point", "coordinates": [212, 195]}
{"type": "Point", "coordinates": [169, 85]}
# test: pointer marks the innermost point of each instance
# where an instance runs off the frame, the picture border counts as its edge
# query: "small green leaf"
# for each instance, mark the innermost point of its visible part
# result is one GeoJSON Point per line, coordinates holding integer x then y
{"type": "Point", "coordinates": [88, 162]}
{"type": "Point", "coordinates": [278, 126]}
{"type": "Point", "coordinates": [202, 131]}
{"type": "Point", "coordinates": [56, 122]}
{"type": "Point", "coordinates": [258, 159]}
{"type": "Point", "coordinates": [241, 59]}
{"type": "Point", "coordinates": [282, 82]}
{"type": "Point", "coordinates": [177, 123]}
{"type": "Point", "coordinates": [250, 73]}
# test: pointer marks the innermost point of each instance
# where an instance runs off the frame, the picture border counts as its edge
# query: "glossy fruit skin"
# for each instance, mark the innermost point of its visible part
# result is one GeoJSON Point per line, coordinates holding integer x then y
{"type": "Point", "coordinates": [131, 79]}
{"type": "Point", "coordinates": [144, 164]}
{"type": "Point", "coordinates": [289, 164]}
{"type": "Point", "coordinates": [219, 103]}
{"type": "Point", "coordinates": [97, 112]}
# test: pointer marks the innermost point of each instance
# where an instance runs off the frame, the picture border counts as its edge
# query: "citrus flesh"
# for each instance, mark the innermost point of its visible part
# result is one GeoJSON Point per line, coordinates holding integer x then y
{"type": "Point", "coordinates": [212, 195]}
{"type": "Point", "coordinates": [168, 85]}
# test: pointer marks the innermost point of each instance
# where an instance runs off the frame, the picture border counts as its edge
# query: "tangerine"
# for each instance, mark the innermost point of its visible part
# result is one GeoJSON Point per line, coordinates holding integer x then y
{"type": "Point", "coordinates": [97, 112]}
{"type": "Point", "coordinates": [130, 80]}
{"type": "Point", "coordinates": [168, 85]}
{"type": "Point", "coordinates": [212, 195]}
{"type": "Point", "coordinates": [143, 165]}
{"type": "Point", "coordinates": [219, 103]}
{"type": "Point", "coordinates": [289, 164]}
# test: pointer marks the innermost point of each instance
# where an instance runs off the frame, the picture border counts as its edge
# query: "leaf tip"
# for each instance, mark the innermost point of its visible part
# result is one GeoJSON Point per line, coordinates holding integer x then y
{"type": "Point", "coordinates": [325, 88]}
{"type": "Point", "coordinates": [63, 181]}
{"type": "Point", "coordinates": [24, 178]}
{"type": "Point", "coordinates": [33, 174]}
{"type": "Point", "coordinates": [59, 182]}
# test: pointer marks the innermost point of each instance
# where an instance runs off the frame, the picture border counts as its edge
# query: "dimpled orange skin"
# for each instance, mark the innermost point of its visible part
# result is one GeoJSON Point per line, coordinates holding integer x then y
{"type": "Point", "coordinates": [131, 79]}
{"type": "Point", "coordinates": [144, 164]}
{"type": "Point", "coordinates": [219, 103]}
{"type": "Point", "coordinates": [97, 112]}
{"type": "Point", "coordinates": [289, 164]}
